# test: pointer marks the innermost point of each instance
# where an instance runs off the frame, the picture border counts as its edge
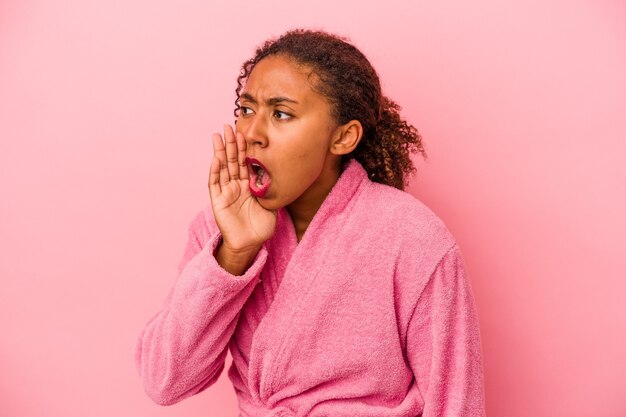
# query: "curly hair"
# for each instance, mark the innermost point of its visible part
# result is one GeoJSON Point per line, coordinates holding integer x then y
{"type": "Point", "coordinates": [352, 86]}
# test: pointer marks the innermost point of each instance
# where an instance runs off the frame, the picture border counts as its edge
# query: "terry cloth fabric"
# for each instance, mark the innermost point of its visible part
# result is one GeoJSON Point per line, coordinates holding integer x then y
{"type": "Point", "coordinates": [370, 314]}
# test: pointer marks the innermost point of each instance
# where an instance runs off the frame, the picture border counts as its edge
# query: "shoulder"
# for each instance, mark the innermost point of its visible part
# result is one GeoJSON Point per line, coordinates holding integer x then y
{"type": "Point", "coordinates": [406, 238]}
{"type": "Point", "coordinates": [405, 222]}
{"type": "Point", "coordinates": [414, 238]}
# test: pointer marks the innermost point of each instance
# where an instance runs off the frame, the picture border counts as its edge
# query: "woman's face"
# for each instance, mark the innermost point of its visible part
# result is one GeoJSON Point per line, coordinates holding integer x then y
{"type": "Point", "coordinates": [288, 129]}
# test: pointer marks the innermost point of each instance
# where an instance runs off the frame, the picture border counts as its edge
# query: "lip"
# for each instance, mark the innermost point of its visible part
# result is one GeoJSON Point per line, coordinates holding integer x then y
{"type": "Point", "coordinates": [256, 191]}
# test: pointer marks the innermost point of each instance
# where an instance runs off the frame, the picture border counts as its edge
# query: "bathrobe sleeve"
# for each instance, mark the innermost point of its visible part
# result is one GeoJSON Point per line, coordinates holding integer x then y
{"type": "Point", "coordinates": [443, 343]}
{"type": "Point", "coordinates": [182, 349]}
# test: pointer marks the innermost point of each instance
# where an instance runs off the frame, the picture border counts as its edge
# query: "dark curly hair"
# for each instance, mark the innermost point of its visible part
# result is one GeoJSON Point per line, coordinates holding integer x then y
{"type": "Point", "coordinates": [350, 83]}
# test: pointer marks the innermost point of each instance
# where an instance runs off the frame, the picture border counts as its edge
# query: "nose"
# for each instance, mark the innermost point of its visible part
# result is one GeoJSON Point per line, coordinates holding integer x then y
{"type": "Point", "coordinates": [254, 129]}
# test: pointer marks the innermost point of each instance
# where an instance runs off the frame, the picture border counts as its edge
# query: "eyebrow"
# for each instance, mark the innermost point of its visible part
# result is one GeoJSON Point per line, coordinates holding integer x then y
{"type": "Point", "coordinates": [271, 101]}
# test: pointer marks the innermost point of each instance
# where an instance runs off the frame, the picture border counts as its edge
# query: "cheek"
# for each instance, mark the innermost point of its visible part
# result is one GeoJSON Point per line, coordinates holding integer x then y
{"type": "Point", "coordinates": [304, 166]}
{"type": "Point", "coordinates": [313, 146]}
{"type": "Point", "coordinates": [306, 151]}
{"type": "Point", "coordinates": [308, 161]}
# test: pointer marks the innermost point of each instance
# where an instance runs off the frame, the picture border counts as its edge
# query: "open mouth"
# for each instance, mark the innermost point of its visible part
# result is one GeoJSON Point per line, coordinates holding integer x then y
{"type": "Point", "coordinates": [259, 177]}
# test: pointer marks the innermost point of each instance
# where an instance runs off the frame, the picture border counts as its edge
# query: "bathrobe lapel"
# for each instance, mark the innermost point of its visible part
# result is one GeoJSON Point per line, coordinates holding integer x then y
{"type": "Point", "coordinates": [275, 332]}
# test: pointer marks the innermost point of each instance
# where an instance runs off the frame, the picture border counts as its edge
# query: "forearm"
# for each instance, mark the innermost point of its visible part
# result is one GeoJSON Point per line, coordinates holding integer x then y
{"type": "Point", "coordinates": [181, 350]}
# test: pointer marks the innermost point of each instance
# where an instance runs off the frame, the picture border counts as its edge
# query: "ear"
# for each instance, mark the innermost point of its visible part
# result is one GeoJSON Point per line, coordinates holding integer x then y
{"type": "Point", "coordinates": [347, 137]}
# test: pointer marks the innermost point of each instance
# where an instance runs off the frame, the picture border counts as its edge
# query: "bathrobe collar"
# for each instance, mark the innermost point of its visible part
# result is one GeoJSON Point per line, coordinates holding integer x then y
{"type": "Point", "coordinates": [305, 263]}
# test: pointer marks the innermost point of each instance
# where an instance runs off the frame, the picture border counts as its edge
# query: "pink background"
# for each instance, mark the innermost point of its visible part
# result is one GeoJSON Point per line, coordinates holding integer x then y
{"type": "Point", "coordinates": [106, 111]}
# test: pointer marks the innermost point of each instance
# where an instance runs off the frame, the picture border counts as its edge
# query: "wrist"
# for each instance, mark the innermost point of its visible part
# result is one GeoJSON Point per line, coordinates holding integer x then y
{"type": "Point", "coordinates": [238, 250]}
{"type": "Point", "coordinates": [236, 260]}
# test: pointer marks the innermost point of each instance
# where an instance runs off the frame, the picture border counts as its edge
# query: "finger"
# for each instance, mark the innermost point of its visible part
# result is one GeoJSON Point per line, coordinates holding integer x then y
{"type": "Point", "coordinates": [220, 153]}
{"type": "Point", "coordinates": [231, 152]}
{"type": "Point", "coordinates": [241, 156]}
{"type": "Point", "coordinates": [214, 179]}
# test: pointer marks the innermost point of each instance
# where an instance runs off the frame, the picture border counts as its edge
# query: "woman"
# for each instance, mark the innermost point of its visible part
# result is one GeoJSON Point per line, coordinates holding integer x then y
{"type": "Point", "coordinates": [337, 293]}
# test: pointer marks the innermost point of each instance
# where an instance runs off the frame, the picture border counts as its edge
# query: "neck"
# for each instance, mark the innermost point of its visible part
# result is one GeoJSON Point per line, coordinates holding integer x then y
{"type": "Point", "coordinates": [306, 206]}
{"type": "Point", "coordinates": [301, 219]}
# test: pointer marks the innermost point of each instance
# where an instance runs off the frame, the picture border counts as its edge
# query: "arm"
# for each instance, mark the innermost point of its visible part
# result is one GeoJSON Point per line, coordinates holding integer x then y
{"type": "Point", "coordinates": [182, 349]}
{"type": "Point", "coordinates": [443, 343]}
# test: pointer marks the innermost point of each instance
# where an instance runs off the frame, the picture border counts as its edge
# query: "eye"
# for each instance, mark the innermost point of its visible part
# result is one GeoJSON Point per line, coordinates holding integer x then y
{"type": "Point", "coordinates": [281, 115]}
{"type": "Point", "coordinates": [246, 110]}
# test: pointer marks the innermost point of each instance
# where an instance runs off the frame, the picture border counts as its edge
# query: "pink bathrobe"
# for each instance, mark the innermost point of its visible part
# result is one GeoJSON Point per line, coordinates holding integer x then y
{"type": "Point", "coordinates": [370, 314]}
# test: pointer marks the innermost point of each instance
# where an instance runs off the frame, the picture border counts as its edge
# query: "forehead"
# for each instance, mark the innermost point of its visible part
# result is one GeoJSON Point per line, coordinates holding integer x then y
{"type": "Point", "coordinates": [279, 76]}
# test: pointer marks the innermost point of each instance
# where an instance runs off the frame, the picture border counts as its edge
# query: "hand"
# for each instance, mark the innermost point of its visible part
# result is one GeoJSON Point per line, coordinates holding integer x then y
{"type": "Point", "coordinates": [243, 222]}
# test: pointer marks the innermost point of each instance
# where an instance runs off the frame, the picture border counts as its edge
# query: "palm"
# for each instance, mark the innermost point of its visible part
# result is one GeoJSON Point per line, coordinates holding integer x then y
{"type": "Point", "coordinates": [242, 221]}
{"type": "Point", "coordinates": [240, 216]}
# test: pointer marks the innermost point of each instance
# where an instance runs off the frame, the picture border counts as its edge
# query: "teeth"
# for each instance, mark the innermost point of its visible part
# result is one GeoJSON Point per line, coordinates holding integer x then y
{"type": "Point", "coordinates": [259, 177]}
{"type": "Point", "coordinates": [260, 172]}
